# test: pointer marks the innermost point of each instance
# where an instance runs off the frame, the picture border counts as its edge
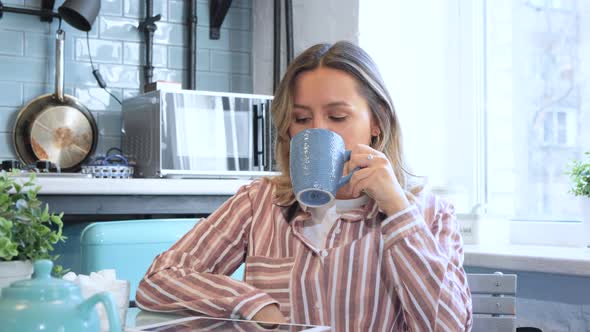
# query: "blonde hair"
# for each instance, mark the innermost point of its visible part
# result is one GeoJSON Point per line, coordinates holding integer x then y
{"type": "Point", "coordinates": [356, 62]}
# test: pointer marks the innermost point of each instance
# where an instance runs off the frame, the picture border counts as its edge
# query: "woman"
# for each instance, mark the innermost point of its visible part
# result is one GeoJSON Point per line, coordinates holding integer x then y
{"type": "Point", "coordinates": [385, 256]}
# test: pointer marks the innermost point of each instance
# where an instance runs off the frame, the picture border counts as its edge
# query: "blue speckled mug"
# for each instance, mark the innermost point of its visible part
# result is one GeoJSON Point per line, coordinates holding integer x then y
{"type": "Point", "coordinates": [316, 164]}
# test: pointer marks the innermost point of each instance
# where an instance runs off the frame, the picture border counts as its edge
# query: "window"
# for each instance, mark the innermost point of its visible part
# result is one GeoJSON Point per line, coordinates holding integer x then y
{"type": "Point", "coordinates": [559, 128]}
{"type": "Point", "coordinates": [493, 96]}
{"type": "Point", "coordinates": [535, 60]}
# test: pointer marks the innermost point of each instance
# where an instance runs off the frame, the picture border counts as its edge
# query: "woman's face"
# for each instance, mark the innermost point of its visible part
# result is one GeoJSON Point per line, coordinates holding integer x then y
{"type": "Point", "coordinates": [328, 98]}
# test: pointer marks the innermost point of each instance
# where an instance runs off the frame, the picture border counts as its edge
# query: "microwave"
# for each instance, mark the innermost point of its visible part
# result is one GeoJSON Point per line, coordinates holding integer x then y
{"type": "Point", "coordinates": [198, 134]}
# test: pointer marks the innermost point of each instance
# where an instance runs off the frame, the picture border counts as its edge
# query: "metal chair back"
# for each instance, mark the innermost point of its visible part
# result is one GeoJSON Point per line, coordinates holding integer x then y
{"type": "Point", "coordinates": [494, 301]}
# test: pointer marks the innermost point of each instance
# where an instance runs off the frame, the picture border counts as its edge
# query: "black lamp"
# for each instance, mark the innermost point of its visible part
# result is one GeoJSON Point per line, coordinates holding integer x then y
{"type": "Point", "coordinates": [80, 13]}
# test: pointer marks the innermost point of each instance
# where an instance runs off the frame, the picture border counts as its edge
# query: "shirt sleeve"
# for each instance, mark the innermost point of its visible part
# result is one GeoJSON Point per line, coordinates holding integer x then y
{"type": "Point", "coordinates": [193, 273]}
{"type": "Point", "coordinates": [426, 268]}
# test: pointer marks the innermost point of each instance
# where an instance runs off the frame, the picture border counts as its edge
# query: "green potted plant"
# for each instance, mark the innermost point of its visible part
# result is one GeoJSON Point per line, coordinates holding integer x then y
{"type": "Point", "coordinates": [28, 230]}
{"type": "Point", "coordinates": [579, 172]}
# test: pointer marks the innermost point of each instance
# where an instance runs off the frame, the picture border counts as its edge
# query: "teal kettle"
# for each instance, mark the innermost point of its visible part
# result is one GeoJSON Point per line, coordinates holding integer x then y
{"type": "Point", "coordinates": [44, 303]}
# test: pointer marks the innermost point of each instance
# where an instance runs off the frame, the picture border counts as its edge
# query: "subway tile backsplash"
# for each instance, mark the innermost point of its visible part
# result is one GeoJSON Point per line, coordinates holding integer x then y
{"type": "Point", "coordinates": [12, 42]}
{"type": "Point", "coordinates": [14, 94]}
{"type": "Point", "coordinates": [27, 59]}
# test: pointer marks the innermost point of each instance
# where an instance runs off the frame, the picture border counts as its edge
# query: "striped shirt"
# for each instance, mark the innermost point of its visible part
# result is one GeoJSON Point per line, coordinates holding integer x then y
{"type": "Point", "coordinates": [396, 273]}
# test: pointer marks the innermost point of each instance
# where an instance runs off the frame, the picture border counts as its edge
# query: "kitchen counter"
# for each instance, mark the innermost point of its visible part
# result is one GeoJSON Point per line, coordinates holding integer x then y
{"type": "Point", "coordinates": [90, 186]}
{"type": "Point", "coordinates": [88, 196]}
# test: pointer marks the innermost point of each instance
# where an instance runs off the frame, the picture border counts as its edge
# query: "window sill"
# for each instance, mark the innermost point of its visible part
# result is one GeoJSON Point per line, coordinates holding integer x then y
{"type": "Point", "coordinates": [531, 258]}
{"type": "Point", "coordinates": [548, 247]}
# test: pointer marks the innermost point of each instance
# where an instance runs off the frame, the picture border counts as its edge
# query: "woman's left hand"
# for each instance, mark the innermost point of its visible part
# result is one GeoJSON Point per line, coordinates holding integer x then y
{"type": "Point", "coordinates": [376, 178]}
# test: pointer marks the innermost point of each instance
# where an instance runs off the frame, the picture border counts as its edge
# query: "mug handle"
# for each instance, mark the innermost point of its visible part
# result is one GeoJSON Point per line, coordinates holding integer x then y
{"type": "Point", "coordinates": [344, 180]}
{"type": "Point", "coordinates": [109, 304]}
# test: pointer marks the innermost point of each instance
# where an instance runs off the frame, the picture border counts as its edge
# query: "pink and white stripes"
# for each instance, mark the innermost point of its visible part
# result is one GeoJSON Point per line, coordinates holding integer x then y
{"type": "Point", "coordinates": [376, 274]}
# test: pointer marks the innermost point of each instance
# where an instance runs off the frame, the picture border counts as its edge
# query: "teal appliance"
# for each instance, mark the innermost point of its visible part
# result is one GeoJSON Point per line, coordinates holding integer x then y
{"type": "Point", "coordinates": [130, 246]}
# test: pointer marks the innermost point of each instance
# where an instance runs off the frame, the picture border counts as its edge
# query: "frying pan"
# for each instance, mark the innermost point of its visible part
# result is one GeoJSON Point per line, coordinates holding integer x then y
{"type": "Point", "coordinates": [56, 126]}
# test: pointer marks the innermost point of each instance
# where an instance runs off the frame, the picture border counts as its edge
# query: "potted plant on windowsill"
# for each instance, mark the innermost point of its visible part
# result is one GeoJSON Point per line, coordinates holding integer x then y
{"type": "Point", "coordinates": [579, 172]}
{"type": "Point", "coordinates": [28, 230]}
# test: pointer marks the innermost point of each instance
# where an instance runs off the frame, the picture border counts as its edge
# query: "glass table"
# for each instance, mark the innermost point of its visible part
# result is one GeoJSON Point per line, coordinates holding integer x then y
{"type": "Point", "coordinates": [139, 320]}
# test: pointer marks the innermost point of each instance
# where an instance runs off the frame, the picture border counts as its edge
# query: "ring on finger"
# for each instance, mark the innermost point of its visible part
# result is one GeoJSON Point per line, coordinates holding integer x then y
{"type": "Point", "coordinates": [370, 157]}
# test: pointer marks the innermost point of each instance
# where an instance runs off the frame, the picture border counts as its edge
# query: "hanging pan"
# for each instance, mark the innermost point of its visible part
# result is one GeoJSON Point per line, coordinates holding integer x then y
{"type": "Point", "coordinates": [56, 127]}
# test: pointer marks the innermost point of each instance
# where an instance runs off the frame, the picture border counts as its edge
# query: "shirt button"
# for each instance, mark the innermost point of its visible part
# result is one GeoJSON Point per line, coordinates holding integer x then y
{"type": "Point", "coordinates": [317, 306]}
{"type": "Point", "coordinates": [337, 231]}
{"type": "Point", "coordinates": [324, 253]}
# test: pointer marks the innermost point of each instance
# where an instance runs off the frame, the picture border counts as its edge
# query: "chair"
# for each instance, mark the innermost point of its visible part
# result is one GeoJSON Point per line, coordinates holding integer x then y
{"type": "Point", "coordinates": [130, 246]}
{"type": "Point", "coordinates": [494, 302]}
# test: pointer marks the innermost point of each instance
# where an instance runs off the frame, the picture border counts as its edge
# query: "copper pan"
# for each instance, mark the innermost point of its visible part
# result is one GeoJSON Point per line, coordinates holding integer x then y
{"type": "Point", "coordinates": [56, 126]}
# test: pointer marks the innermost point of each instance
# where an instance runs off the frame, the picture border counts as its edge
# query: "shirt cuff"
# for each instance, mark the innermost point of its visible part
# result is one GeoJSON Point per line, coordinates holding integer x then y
{"type": "Point", "coordinates": [401, 224]}
{"type": "Point", "coordinates": [250, 304]}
